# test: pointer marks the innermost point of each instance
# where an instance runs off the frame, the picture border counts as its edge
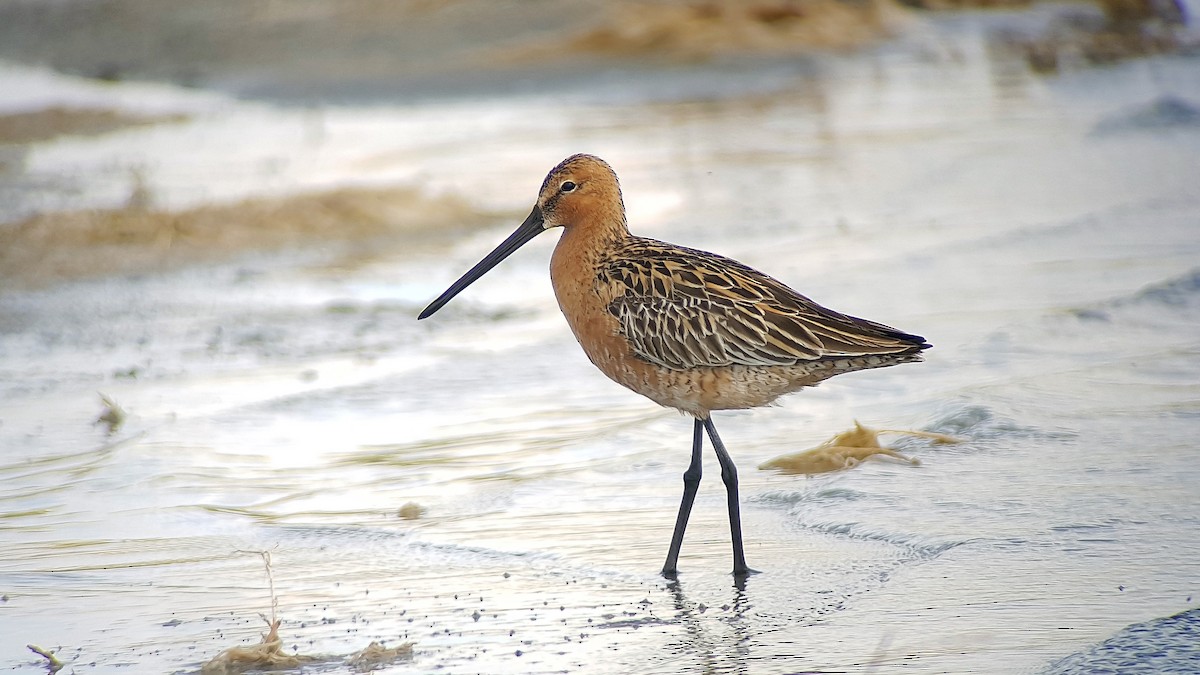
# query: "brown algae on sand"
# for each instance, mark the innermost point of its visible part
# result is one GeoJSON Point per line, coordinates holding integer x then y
{"type": "Point", "coordinates": [95, 242]}
{"type": "Point", "coordinates": [411, 511]}
{"type": "Point", "coordinates": [846, 451]}
{"type": "Point", "coordinates": [376, 656]}
{"type": "Point", "coordinates": [266, 655]}
{"type": "Point", "coordinates": [34, 126]}
{"type": "Point", "coordinates": [697, 31]}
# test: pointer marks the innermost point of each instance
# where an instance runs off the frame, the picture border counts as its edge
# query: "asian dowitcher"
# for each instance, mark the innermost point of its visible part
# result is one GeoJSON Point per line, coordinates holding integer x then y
{"type": "Point", "coordinates": [687, 329]}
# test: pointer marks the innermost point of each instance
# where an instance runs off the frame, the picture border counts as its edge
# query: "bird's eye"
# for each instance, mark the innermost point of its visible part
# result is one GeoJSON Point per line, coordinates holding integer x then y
{"type": "Point", "coordinates": [567, 186]}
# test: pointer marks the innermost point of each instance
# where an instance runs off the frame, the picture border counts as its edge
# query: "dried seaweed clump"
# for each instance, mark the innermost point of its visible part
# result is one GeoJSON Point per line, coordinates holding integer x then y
{"type": "Point", "coordinates": [376, 656]}
{"type": "Point", "coordinates": [266, 655]}
{"type": "Point", "coordinates": [846, 451]}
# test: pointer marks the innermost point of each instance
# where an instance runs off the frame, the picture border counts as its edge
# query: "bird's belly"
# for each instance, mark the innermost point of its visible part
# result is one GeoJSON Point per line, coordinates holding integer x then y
{"type": "Point", "coordinates": [696, 391]}
{"type": "Point", "coordinates": [699, 391]}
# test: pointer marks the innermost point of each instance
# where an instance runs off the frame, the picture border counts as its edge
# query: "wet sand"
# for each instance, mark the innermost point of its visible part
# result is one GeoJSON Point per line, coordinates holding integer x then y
{"type": "Point", "coordinates": [242, 283]}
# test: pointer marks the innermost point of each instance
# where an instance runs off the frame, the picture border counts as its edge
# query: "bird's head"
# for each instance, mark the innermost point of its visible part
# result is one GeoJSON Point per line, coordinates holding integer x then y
{"type": "Point", "coordinates": [580, 192]}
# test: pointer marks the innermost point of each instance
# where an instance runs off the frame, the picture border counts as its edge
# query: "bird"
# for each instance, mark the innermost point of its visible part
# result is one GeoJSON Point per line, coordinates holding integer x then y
{"type": "Point", "coordinates": [688, 329]}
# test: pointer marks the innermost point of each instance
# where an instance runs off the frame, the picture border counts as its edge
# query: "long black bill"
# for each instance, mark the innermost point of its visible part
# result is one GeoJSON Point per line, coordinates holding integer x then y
{"type": "Point", "coordinates": [532, 227]}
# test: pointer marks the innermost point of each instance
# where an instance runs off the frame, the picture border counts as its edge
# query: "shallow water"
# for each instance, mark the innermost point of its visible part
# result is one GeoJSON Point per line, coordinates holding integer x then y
{"type": "Point", "coordinates": [1042, 233]}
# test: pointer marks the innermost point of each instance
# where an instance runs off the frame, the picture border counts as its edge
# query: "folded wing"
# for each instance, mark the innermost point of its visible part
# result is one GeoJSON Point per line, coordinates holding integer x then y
{"type": "Point", "coordinates": [682, 308]}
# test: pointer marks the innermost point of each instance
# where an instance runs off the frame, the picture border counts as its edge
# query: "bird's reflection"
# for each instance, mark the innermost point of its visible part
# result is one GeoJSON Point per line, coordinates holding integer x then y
{"type": "Point", "coordinates": [720, 645]}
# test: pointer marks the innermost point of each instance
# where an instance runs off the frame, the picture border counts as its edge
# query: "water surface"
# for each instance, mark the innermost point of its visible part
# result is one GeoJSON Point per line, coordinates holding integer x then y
{"type": "Point", "coordinates": [1041, 233]}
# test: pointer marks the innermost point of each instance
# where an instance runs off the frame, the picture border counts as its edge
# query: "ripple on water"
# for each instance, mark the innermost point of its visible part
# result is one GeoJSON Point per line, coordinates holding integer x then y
{"type": "Point", "coordinates": [1182, 290]}
{"type": "Point", "coordinates": [792, 497]}
{"type": "Point", "coordinates": [1166, 112]}
{"type": "Point", "coordinates": [1165, 645]}
{"type": "Point", "coordinates": [974, 422]}
{"type": "Point", "coordinates": [1177, 293]}
{"type": "Point", "coordinates": [922, 547]}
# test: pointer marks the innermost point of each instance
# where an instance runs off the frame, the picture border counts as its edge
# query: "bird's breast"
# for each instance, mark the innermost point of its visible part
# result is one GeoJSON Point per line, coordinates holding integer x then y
{"type": "Point", "coordinates": [574, 273]}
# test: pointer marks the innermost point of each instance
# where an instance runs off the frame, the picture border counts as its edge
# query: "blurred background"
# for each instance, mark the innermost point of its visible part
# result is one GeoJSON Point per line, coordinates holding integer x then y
{"type": "Point", "coordinates": [219, 220]}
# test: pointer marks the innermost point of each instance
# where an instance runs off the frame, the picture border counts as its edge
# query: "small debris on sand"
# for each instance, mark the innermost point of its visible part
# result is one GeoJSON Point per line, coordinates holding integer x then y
{"type": "Point", "coordinates": [267, 654]}
{"type": "Point", "coordinates": [376, 656]}
{"type": "Point", "coordinates": [113, 416]}
{"type": "Point", "coordinates": [411, 511]}
{"type": "Point", "coordinates": [847, 450]}
{"type": "Point", "coordinates": [52, 662]}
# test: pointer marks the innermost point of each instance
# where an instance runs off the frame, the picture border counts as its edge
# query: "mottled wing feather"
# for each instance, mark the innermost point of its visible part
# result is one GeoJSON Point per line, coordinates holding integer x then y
{"type": "Point", "coordinates": [681, 308]}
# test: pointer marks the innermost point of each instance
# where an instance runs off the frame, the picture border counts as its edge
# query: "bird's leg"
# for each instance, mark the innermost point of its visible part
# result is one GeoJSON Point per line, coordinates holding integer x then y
{"type": "Point", "coordinates": [691, 483]}
{"type": "Point", "coordinates": [729, 477]}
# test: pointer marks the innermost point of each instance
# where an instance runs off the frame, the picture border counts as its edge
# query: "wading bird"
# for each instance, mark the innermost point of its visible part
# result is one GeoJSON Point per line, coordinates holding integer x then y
{"type": "Point", "coordinates": [687, 329]}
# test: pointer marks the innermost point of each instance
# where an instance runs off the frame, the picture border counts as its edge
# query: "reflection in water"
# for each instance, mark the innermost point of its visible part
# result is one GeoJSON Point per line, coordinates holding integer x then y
{"type": "Point", "coordinates": [726, 652]}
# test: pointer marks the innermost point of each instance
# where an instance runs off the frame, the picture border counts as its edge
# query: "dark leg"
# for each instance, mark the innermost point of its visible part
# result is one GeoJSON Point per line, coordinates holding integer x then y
{"type": "Point", "coordinates": [729, 477]}
{"type": "Point", "coordinates": [691, 483]}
